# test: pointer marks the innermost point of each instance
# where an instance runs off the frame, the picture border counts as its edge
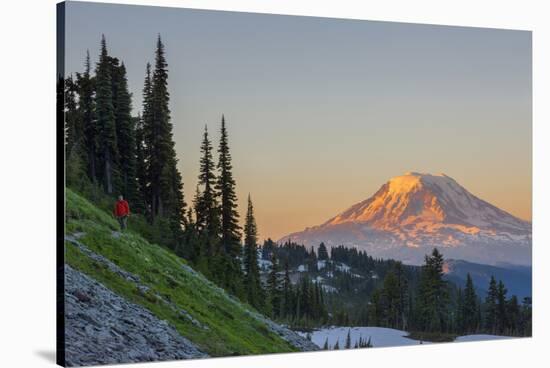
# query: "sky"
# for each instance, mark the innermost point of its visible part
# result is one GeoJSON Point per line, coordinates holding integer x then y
{"type": "Point", "coordinates": [322, 112]}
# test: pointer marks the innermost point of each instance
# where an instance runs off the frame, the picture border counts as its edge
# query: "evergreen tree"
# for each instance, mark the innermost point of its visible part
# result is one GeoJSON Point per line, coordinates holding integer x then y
{"type": "Point", "coordinates": [72, 120]}
{"type": "Point", "coordinates": [502, 320]}
{"type": "Point", "coordinates": [141, 168]}
{"type": "Point", "coordinates": [75, 171]}
{"type": "Point", "coordinates": [197, 251]}
{"type": "Point", "coordinates": [125, 134]}
{"type": "Point", "coordinates": [322, 252]}
{"type": "Point", "coordinates": [432, 299]}
{"type": "Point", "coordinates": [469, 311]}
{"type": "Point", "coordinates": [287, 293]}
{"type": "Point", "coordinates": [376, 309]}
{"type": "Point", "coordinates": [108, 152]}
{"type": "Point", "coordinates": [325, 345]}
{"type": "Point", "coordinates": [348, 339]}
{"type": "Point", "coordinates": [252, 283]}
{"type": "Point", "coordinates": [402, 301]}
{"type": "Point", "coordinates": [368, 343]}
{"type": "Point", "coordinates": [274, 288]}
{"type": "Point", "coordinates": [526, 317]}
{"type": "Point", "coordinates": [229, 217]}
{"type": "Point", "coordinates": [225, 186]}
{"type": "Point", "coordinates": [86, 106]}
{"type": "Point", "coordinates": [175, 209]}
{"type": "Point", "coordinates": [206, 207]}
{"type": "Point", "coordinates": [165, 184]}
{"type": "Point", "coordinates": [459, 316]}
{"type": "Point", "coordinates": [390, 297]}
{"type": "Point", "coordinates": [145, 139]}
{"type": "Point", "coordinates": [491, 313]}
{"type": "Point", "coordinates": [513, 314]}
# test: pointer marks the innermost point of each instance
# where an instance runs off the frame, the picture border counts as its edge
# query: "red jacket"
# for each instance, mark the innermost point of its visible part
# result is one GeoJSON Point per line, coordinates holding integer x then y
{"type": "Point", "coordinates": [121, 208]}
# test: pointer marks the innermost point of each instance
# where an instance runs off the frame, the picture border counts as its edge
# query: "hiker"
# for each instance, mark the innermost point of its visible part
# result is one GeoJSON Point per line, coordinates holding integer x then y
{"type": "Point", "coordinates": [121, 212]}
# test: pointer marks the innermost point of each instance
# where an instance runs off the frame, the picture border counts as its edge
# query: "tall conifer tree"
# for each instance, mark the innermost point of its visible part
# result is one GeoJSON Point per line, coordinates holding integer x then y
{"type": "Point", "coordinates": [108, 152]}
{"type": "Point", "coordinates": [274, 288]}
{"type": "Point", "coordinates": [432, 300]}
{"type": "Point", "coordinates": [252, 283]}
{"type": "Point", "coordinates": [86, 105]}
{"type": "Point", "coordinates": [74, 151]}
{"type": "Point", "coordinates": [491, 313]}
{"type": "Point", "coordinates": [470, 318]}
{"type": "Point", "coordinates": [322, 252]}
{"type": "Point", "coordinates": [229, 262]}
{"type": "Point", "coordinates": [287, 293]}
{"type": "Point", "coordinates": [502, 318]}
{"type": "Point", "coordinates": [141, 167]}
{"type": "Point", "coordinates": [144, 135]}
{"type": "Point", "coordinates": [73, 125]}
{"type": "Point", "coordinates": [164, 187]}
{"type": "Point", "coordinates": [225, 186]}
{"type": "Point", "coordinates": [207, 210]}
{"type": "Point", "coordinates": [126, 136]}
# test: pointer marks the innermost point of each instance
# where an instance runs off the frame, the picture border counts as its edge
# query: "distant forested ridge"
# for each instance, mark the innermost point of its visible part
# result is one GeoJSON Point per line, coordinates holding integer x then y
{"type": "Point", "coordinates": [360, 290]}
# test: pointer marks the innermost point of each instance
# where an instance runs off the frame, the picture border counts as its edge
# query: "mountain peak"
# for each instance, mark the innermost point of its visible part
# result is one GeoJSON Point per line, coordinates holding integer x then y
{"type": "Point", "coordinates": [420, 210]}
{"type": "Point", "coordinates": [420, 200]}
{"type": "Point", "coordinates": [411, 180]}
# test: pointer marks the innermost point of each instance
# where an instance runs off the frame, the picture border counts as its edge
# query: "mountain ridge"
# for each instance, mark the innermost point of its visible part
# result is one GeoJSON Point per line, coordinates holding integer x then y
{"type": "Point", "coordinates": [517, 279]}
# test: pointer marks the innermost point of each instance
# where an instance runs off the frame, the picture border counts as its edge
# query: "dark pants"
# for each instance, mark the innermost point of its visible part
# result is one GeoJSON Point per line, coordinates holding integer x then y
{"type": "Point", "coordinates": [123, 221]}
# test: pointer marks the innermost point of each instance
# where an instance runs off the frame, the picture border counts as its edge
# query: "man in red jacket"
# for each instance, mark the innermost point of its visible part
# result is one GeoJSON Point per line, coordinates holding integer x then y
{"type": "Point", "coordinates": [121, 212]}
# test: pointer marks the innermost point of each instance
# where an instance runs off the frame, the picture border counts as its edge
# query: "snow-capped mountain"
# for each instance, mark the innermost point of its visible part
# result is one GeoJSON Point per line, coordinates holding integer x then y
{"type": "Point", "coordinates": [412, 213]}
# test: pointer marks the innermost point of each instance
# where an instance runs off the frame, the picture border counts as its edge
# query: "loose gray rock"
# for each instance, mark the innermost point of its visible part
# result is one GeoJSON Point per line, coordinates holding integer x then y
{"type": "Point", "coordinates": [128, 276]}
{"type": "Point", "coordinates": [104, 328]}
{"type": "Point", "coordinates": [292, 337]}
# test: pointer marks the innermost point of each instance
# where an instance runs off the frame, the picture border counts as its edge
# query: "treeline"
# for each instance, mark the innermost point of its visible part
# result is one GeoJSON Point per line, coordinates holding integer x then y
{"type": "Point", "coordinates": [435, 307]}
{"type": "Point", "coordinates": [111, 152]}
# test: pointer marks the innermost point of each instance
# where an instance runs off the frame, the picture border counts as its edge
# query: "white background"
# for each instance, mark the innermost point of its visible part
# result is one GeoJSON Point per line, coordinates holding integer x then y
{"type": "Point", "coordinates": [27, 180]}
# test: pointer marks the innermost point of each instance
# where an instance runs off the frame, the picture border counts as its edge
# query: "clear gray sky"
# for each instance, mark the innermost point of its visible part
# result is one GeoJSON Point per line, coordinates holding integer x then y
{"type": "Point", "coordinates": [321, 112]}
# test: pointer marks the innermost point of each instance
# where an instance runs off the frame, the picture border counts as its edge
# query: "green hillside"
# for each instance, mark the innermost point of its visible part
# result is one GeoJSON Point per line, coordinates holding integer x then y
{"type": "Point", "coordinates": [155, 278]}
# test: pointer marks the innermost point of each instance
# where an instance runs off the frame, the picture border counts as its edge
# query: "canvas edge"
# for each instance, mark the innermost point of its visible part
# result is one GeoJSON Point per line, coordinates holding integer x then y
{"type": "Point", "coordinates": [60, 185]}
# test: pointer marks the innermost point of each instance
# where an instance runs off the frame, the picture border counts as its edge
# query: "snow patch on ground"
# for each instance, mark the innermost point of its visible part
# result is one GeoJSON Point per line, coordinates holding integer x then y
{"type": "Point", "coordinates": [343, 267]}
{"type": "Point", "coordinates": [379, 336]}
{"type": "Point", "coordinates": [329, 289]}
{"type": "Point", "coordinates": [264, 265]}
{"type": "Point", "coordinates": [481, 337]}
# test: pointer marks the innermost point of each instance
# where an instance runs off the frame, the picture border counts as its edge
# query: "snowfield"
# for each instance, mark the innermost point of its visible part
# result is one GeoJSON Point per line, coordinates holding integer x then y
{"type": "Point", "coordinates": [482, 337]}
{"type": "Point", "coordinates": [379, 336]}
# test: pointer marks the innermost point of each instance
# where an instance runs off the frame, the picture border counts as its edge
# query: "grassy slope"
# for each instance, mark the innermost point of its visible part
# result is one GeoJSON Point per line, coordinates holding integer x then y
{"type": "Point", "coordinates": [231, 330]}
